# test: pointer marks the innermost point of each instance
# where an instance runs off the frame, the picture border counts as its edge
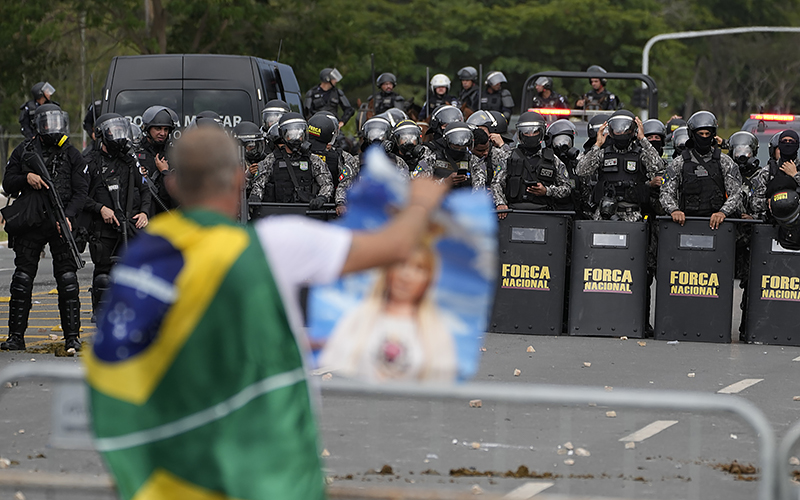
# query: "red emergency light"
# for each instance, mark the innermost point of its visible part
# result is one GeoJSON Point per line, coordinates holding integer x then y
{"type": "Point", "coordinates": [773, 118]}
{"type": "Point", "coordinates": [551, 111]}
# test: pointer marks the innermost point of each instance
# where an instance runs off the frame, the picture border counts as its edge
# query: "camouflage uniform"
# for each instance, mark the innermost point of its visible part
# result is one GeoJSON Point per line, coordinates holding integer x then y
{"type": "Point", "coordinates": [560, 189]}
{"type": "Point", "coordinates": [424, 164]}
{"type": "Point", "coordinates": [754, 194]}
{"type": "Point", "coordinates": [347, 174]}
{"type": "Point", "coordinates": [477, 169]}
{"type": "Point", "coordinates": [590, 163]}
{"type": "Point", "coordinates": [670, 190]}
{"type": "Point", "coordinates": [319, 170]}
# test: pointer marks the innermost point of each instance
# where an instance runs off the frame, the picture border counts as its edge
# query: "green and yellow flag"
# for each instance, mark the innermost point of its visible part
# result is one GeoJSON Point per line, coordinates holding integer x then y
{"type": "Point", "coordinates": [198, 390]}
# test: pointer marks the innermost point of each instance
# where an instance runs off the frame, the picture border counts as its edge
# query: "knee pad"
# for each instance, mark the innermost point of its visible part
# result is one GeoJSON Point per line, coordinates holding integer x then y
{"type": "Point", "coordinates": [21, 284]}
{"type": "Point", "coordinates": [67, 284]}
{"type": "Point", "coordinates": [102, 282]}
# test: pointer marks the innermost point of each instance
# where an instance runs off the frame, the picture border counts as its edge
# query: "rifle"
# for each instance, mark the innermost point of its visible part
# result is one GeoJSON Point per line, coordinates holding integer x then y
{"type": "Point", "coordinates": [147, 181]}
{"type": "Point", "coordinates": [428, 94]}
{"type": "Point", "coordinates": [113, 190]}
{"type": "Point", "coordinates": [35, 161]}
{"type": "Point", "coordinates": [480, 86]}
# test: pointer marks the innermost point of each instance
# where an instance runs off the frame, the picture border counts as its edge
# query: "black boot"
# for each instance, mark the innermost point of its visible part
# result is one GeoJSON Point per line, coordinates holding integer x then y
{"type": "Point", "coordinates": [71, 341]}
{"type": "Point", "coordinates": [15, 342]}
{"type": "Point", "coordinates": [100, 285]}
{"type": "Point", "coordinates": [69, 306]}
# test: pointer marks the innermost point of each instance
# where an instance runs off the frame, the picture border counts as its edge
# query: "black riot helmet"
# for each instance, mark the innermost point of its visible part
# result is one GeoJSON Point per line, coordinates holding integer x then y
{"type": "Point", "coordinates": [494, 78]}
{"type": "Point", "coordinates": [679, 139]}
{"type": "Point", "coordinates": [773, 145]}
{"type": "Point", "coordinates": [272, 113]}
{"type": "Point", "coordinates": [406, 136]}
{"type": "Point", "coordinates": [274, 134]}
{"type": "Point", "coordinates": [375, 129]}
{"type": "Point", "coordinates": [561, 135]}
{"type": "Point", "coordinates": [468, 73]}
{"type": "Point", "coordinates": [544, 81]}
{"type": "Point", "coordinates": [702, 120]}
{"type": "Point", "coordinates": [482, 118]}
{"type": "Point", "coordinates": [394, 116]}
{"type": "Point", "coordinates": [622, 128]}
{"type": "Point", "coordinates": [206, 119]}
{"type": "Point", "coordinates": [594, 125]}
{"type": "Point", "coordinates": [114, 132]}
{"type": "Point", "coordinates": [42, 89]}
{"type": "Point", "coordinates": [743, 148]}
{"type": "Point", "coordinates": [252, 139]}
{"type": "Point", "coordinates": [329, 75]}
{"type": "Point", "coordinates": [594, 68]}
{"type": "Point", "coordinates": [654, 126]}
{"type": "Point", "coordinates": [785, 207]}
{"type": "Point", "coordinates": [322, 130]}
{"type": "Point", "coordinates": [444, 115]}
{"type": "Point", "coordinates": [458, 137]}
{"type": "Point", "coordinates": [386, 78]}
{"type": "Point", "coordinates": [52, 125]}
{"type": "Point", "coordinates": [293, 130]}
{"type": "Point", "coordinates": [159, 116]}
{"type": "Point", "coordinates": [89, 119]}
{"type": "Point", "coordinates": [673, 125]}
{"type": "Point", "coordinates": [136, 135]}
{"type": "Point", "coordinates": [531, 127]}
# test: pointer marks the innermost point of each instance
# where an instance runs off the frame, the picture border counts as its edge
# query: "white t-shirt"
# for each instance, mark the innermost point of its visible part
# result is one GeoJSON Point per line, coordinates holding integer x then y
{"type": "Point", "coordinates": [302, 251]}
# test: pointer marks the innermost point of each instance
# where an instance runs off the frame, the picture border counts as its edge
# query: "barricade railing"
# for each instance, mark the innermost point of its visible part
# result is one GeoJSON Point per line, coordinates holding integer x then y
{"type": "Point", "coordinates": [521, 395]}
{"type": "Point", "coordinates": [786, 488]}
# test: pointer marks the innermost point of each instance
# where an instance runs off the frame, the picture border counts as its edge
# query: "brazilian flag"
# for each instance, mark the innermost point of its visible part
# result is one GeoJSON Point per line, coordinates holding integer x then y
{"type": "Point", "coordinates": [198, 390]}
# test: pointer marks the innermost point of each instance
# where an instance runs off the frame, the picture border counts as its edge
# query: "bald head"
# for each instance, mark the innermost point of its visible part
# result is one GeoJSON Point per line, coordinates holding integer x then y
{"type": "Point", "coordinates": [207, 166]}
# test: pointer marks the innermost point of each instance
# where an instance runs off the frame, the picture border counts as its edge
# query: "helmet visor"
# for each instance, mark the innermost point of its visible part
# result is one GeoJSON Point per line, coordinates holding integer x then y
{"type": "Point", "coordinates": [459, 139]}
{"type": "Point", "coordinates": [530, 129]}
{"type": "Point", "coordinates": [562, 142]}
{"type": "Point", "coordinates": [375, 131]}
{"type": "Point", "coordinates": [48, 89]}
{"type": "Point", "coordinates": [115, 130]}
{"type": "Point", "coordinates": [271, 116]}
{"type": "Point", "coordinates": [742, 151]}
{"type": "Point", "coordinates": [408, 137]}
{"type": "Point", "coordinates": [52, 122]}
{"type": "Point", "coordinates": [294, 131]}
{"type": "Point", "coordinates": [335, 75]}
{"type": "Point", "coordinates": [619, 125]}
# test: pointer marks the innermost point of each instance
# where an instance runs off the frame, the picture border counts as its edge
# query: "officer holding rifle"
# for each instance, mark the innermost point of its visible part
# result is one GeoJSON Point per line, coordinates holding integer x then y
{"type": "Point", "coordinates": [50, 177]}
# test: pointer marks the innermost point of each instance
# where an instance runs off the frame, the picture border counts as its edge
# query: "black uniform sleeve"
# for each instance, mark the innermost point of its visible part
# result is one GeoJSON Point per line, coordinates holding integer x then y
{"type": "Point", "coordinates": [307, 102]}
{"type": "Point", "coordinates": [145, 199]}
{"type": "Point", "coordinates": [347, 109]}
{"type": "Point", "coordinates": [25, 124]}
{"type": "Point", "coordinates": [80, 182]}
{"type": "Point", "coordinates": [15, 178]}
{"type": "Point", "coordinates": [91, 204]}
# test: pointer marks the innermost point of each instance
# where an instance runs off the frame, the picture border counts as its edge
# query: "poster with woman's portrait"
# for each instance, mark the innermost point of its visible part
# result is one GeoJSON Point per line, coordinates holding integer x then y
{"type": "Point", "coordinates": [420, 320]}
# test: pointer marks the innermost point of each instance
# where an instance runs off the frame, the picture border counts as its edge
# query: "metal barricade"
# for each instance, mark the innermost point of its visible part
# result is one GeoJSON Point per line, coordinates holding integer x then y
{"type": "Point", "coordinates": [608, 278]}
{"type": "Point", "coordinates": [694, 290]}
{"type": "Point", "coordinates": [773, 289]}
{"type": "Point", "coordinates": [502, 393]}
{"type": "Point", "coordinates": [266, 209]}
{"type": "Point", "coordinates": [786, 489]}
{"type": "Point", "coordinates": [530, 292]}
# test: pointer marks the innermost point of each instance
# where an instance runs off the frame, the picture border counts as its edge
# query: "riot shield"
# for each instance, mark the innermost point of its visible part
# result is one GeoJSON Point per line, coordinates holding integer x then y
{"type": "Point", "coordinates": [608, 279]}
{"type": "Point", "coordinates": [694, 280]}
{"type": "Point", "coordinates": [530, 291]}
{"type": "Point", "coordinates": [773, 290]}
{"type": "Point", "coordinates": [265, 209]}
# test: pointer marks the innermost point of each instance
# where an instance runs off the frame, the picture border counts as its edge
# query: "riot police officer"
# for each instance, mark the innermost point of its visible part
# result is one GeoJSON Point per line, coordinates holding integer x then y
{"type": "Point", "coordinates": [378, 130]}
{"type": "Point", "coordinates": [592, 127]}
{"type": "Point", "coordinates": [488, 144]}
{"type": "Point", "coordinates": [560, 137]}
{"type": "Point", "coordinates": [291, 174]}
{"type": "Point", "coordinates": [625, 161]}
{"type": "Point", "coordinates": [680, 136]}
{"type": "Point", "coordinates": [118, 201]}
{"type": "Point", "coordinates": [455, 162]}
{"type": "Point", "coordinates": [496, 97]}
{"type": "Point", "coordinates": [702, 181]}
{"type": "Point", "coordinates": [327, 97]}
{"type": "Point", "coordinates": [743, 150]}
{"type": "Point", "coordinates": [441, 117]}
{"type": "Point", "coordinates": [387, 98]}
{"type": "Point", "coordinates": [440, 87]}
{"type": "Point", "coordinates": [533, 178]}
{"type": "Point", "coordinates": [545, 96]}
{"type": "Point", "coordinates": [782, 172]}
{"type": "Point", "coordinates": [92, 112]}
{"type": "Point", "coordinates": [344, 167]}
{"type": "Point", "coordinates": [253, 141]}
{"type": "Point", "coordinates": [599, 97]}
{"type": "Point", "coordinates": [407, 139]}
{"type": "Point", "coordinates": [36, 224]}
{"type": "Point", "coordinates": [469, 96]}
{"type": "Point", "coordinates": [41, 93]}
{"type": "Point", "coordinates": [158, 124]}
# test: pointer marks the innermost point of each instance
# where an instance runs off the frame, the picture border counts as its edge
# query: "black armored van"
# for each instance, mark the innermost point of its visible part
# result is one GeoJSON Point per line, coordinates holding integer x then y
{"type": "Point", "coordinates": [236, 87]}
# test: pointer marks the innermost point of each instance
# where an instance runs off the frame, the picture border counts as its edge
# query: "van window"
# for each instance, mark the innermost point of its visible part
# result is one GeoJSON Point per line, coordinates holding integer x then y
{"type": "Point", "coordinates": [233, 106]}
{"type": "Point", "coordinates": [132, 103]}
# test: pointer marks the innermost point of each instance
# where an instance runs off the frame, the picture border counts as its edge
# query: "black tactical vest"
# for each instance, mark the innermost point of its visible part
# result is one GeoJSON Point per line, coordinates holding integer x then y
{"type": "Point", "coordinates": [384, 102]}
{"type": "Point", "coordinates": [492, 102]}
{"type": "Point", "coordinates": [622, 176]}
{"type": "Point", "coordinates": [332, 159]}
{"type": "Point", "coordinates": [778, 179]}
{"type": "Point", "coordinates": [325, 100]}
{"type": "Point", "coordinates": [441, 172]}
{"type": "Point", "coordinates": [702, 185]}
{"type": "Point", "coordinates": [57, 163]}
{"type": "Point", "coordinates": [525, 171]}
{"type": "Point", "coordinates": [296, 186]}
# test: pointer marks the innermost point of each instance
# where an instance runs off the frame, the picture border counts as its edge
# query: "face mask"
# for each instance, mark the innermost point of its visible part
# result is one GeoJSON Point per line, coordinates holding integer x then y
{"type": "Point", "coordinates": [747, 166]}
{"type": "Point", "coordinates": [459, 155]}
{"type": "Point", "coordinates": [621, 141]}
{"type": "Point", "coordinates": [703, 144]}
{"type": "Point", "coordinates": [788, 150]}
{"type": "Point", "coordinates": [659, 146]}
{"type": "Point", "coordinates": [531, 143]}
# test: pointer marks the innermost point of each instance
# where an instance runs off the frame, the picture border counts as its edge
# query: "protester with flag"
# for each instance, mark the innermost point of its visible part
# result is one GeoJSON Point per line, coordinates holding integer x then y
{"type": "Point", "coordinates": [197, 373]}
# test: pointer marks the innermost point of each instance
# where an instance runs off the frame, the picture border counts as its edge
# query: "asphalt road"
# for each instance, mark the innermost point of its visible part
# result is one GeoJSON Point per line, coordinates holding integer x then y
{"type": "Point", "coordinates": [678, 455]}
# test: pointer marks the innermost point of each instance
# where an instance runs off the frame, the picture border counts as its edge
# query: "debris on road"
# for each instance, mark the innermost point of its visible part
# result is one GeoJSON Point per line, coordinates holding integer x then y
{"type": "Point", "coordinates": [642, 343]}
{"type": "Point", "coordinates": [53, 336]}
{"type": "Point", "coordinates": [690, 374]}
{"type": "Point", "coordinates": [583, 452]}
{"type": "Point", "coordinates": [517, 372]}
{"type": "Point", "coordinates": [327, 376]}
{"type": "Point", "coordinates": [531, 349]}
{"type": "Point", "coordinates": [734, 436]}
{"type": "Point", "coordinates": [569, 461]}
{"type": "Point", "coordinates": [611, 414]}
{"type": "Point", "coordinates": [483, 349]}
{"type": "Point", "coordinates": [608, 388]}
{"type": "Point", "coordinates": [672, 342]}
{"type": "Point", "coordinates": [476, 490]}
{"type": "Point", "coordinates": [19, 496]}
{"type": "Point", "coordinates": [325, 453]}
{"type": "Point", "coordinates": [568, 445]}
{"type": "Point", "coordinates": [587, 364]}
{"type": "Point", "coordinates": [741, 471]}
{"type": "Point", "coordinates": [522, 472]}
{"type": "Point", "coordinates": [386, 470]}
{"type": "Point", "coordinates": [630, 445]}
{"type": "Point", "coordinates": [794, 461]}
{"type": "Point", "coordinates": [476, 445]}
{"type": "Point", "coordinates": [475, 403]}
{"type": "Point", "coordinates": [796, 398]}
{"type": "Point", "coordinates": [5, 463]}
{"type": "Point", "coordinates": [623, 338]}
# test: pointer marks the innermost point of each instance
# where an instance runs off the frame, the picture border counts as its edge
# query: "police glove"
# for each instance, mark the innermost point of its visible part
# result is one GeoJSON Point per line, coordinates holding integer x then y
{"type": "Point", "coordinates": [317, 203]}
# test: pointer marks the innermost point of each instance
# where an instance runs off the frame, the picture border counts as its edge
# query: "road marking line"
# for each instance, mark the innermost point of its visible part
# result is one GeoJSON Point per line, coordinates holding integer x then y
{"type": "Point", "coordinates": [796, 359]}
{"type": "Point", "coordinates": [739, 386]}
{"type": "Point", "coordinates": [649, 430]}
{"type": "Point", "coordinates": [527, 490]}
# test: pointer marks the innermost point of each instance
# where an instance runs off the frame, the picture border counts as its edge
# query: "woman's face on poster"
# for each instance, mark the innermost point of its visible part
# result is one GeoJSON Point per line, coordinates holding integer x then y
{"type": "Point", "coordinates": [408, 280]}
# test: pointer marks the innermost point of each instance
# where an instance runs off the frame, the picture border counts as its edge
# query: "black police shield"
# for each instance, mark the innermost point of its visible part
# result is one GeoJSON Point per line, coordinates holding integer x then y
{"type": "Point", "coordinates": [694, 290]}
{"type": "Point", "coordinates": [773, 290]}
{"type": "Point", "coordinates": [266, 209]}
{"type": "Point", "coordinates": [608, 279]}
{"type": "Point", "coordinates": [530, 290]}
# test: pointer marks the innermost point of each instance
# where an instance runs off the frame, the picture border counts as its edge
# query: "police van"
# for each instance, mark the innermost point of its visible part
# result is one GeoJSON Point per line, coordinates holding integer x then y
{"type": "Point", "coordinates": [765, 125]}
{"type": "Point", "coordinates": [236, 87]}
